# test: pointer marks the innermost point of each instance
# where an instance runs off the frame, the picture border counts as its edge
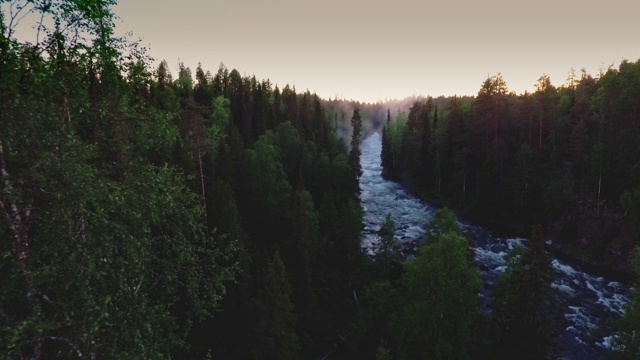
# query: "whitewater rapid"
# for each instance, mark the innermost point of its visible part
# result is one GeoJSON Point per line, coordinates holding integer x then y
{"type": "Point", "coordinates": [586, 300]}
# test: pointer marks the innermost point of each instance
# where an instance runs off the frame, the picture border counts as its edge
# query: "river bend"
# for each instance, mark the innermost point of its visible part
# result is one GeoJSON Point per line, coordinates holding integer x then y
{"type": "Point", "coordinates": [586, 300]}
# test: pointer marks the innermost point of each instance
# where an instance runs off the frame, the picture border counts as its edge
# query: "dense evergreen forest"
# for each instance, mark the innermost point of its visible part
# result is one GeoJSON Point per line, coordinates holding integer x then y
{"type": "Point", "coordinates": [150, 216]}
{"type": "Point", "coordinates": [566, 157]}
{"type": "Point", "coordinates": [199, 215]}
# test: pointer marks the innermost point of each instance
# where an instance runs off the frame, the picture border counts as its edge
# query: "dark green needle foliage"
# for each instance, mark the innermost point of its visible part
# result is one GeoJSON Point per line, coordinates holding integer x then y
{"type": "Point", "coordinates": [526, 315]}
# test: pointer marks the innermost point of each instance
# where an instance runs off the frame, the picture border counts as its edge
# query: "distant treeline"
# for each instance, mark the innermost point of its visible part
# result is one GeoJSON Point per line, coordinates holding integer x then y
{"type": "Point", "coordinates": [510, 161]}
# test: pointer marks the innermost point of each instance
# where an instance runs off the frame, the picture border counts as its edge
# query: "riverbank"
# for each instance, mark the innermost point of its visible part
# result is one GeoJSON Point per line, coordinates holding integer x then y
{"type": "Point", "coordinates": [600, 243]}
{"type": "Point", "coordinates": [579, 262]}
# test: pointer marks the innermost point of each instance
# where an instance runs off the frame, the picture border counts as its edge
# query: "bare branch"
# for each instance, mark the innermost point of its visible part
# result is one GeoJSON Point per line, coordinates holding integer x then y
{"type": "Point", "coordinates": [3, 168]}
{"type": "Point", "coordinates": [23, 15]}
{"type": "Point", "coordinates": [81, 230]}
{"type": "Point", "coordinates": [68, 342]}
{"type": "Point", "coordinates": [42, 12]}
{"type": "Point", "coordinates": [14, 16]}
{"type": "Point", "coordinates": [94, 351]}
{"type": "Point", "coordinates": [37, 350]}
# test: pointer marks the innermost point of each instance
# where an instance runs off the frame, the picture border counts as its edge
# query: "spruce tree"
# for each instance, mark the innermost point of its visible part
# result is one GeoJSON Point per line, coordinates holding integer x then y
{"type": "Point", "coordinates": [280, 338]}
{"type": "Point", "coordinates": [386, 155]}
{"type": "Point", "coordinates": [354, 154]}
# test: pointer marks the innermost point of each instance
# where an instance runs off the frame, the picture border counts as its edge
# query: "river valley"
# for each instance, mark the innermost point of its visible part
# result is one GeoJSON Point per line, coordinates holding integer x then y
{"type": "Point", "coordinates": [586, 300]}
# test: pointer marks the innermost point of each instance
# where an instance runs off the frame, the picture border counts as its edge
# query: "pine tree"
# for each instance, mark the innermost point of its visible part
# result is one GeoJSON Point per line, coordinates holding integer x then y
{"type": "Point", "coordinates": [354, 154]}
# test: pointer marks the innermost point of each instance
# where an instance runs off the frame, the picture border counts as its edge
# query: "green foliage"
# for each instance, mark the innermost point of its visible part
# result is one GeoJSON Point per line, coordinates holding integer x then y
{"type": "Point", "coordinates": [438, 318]}
{"type": "Point", "coordinates": [630, 201]}
{"type": "Point", "coordinates": [269, 189]}
{"type": "Point", "coordinates": [383, 353]}
{"type": "Point", "coordinates": [393, 146]}
{"type": "Point", "coordinates": [434, 313]}
{"type": "Point", "coordinates": [280, 339]}
{"type": "Point", "coordinates": [140, 196]}
{"type": "Point", "coordinates": [379, 303]}
{"type": "Point", "coordinates": [493, 85]}
{"type": "Point", "coordinates": [627, 340]}
{"type": "Point", "coordinates": [131, 201]}
{"type": "Point", "coordinates": [99, 251]}
{"type": "Point", "coordinates": [356, 134]}
{"type": "Point", "coordinates": [298, 249]}
{"type": "Point", "coordinates": [525, 309]}
{"type": "Point", "coordinates": [387, 244]}
{"type": "Point", "coordinates": [508, 161]}
{"type": "Point", "coordinates": [388, 259]}
{"type": "Point", "coordinates": [444, 222]}
{"type": "Point", "coordinates": [220, 118]}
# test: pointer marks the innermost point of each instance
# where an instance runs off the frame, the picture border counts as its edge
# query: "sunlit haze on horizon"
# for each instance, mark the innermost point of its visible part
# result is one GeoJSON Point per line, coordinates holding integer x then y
{"type": "Point", "coordinates": [376, 50]}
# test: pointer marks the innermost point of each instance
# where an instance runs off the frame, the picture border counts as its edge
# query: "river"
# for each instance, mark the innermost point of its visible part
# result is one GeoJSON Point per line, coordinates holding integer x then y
{"type": "Point", "coordinates": [586, 300]}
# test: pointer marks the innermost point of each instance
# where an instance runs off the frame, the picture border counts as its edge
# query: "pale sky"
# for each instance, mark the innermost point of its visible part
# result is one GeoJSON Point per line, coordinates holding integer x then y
{"type": "Point", "coordinates": [370, 50]}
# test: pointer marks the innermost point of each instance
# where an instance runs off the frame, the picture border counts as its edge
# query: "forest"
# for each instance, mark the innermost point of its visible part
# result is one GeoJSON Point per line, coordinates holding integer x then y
{"type": "Point", "coordinates": [566, 158]}
{"type": "Point", "coordinates": [200, 215]}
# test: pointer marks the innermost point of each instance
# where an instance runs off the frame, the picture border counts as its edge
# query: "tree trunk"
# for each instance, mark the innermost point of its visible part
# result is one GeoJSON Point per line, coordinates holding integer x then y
{"type": "Point", "coordinates": [204, 198]}
{"type": "Point", "coordinates": [599, 188]}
